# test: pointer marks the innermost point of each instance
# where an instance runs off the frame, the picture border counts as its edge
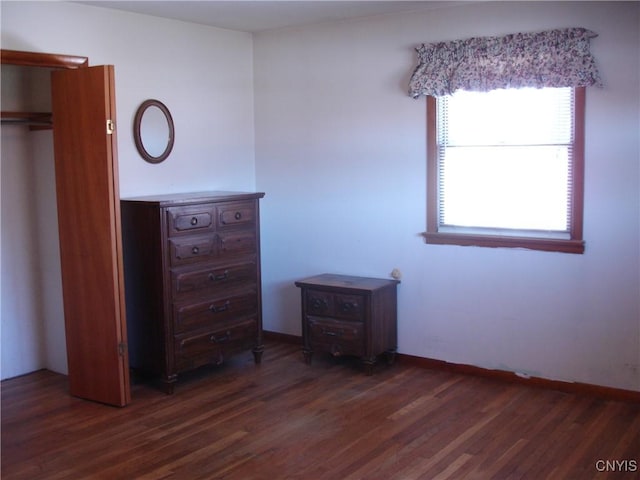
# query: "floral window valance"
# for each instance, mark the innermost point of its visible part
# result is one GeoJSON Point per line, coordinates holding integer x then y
{"type": "Point", "coordinates": [554, 58]}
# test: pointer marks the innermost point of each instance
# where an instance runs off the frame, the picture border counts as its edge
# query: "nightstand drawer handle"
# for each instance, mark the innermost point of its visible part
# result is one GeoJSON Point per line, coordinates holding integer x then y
{"type": "Point", "coordinates": [221, 308]}
{"type": "Point", "coordinates": [194, 220]}
{"type": "Point", "coordinates": [224, 276]}
{"type": "Point", "coordinates": [331, 333]}
{"type": "Point", "coordinates": [195, 250]}
{"type": "Point", "coordinates": [238, 216]}
{"type": "Point", "coordinates": [221, 338]}
{"type": "Point", "coordinates": [319, 304]}
{"type": "Point", "coordinates": [349, 306]}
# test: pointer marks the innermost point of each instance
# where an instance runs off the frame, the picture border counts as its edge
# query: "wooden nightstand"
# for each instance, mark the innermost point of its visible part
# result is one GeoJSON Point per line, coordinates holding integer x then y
{"type": "Point", "coordinates": [347, 315]}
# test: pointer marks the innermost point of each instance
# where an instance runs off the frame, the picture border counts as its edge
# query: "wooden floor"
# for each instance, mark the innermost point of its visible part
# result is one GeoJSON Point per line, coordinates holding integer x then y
{"type": "Point", "coordinates": [288, 420]}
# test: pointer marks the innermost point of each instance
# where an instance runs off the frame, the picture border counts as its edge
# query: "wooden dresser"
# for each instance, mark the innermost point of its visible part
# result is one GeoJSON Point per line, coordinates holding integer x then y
{"type": "Point", "coordinates": [346, 315]}
{"type": "Point", "coordinates": [192, 280]}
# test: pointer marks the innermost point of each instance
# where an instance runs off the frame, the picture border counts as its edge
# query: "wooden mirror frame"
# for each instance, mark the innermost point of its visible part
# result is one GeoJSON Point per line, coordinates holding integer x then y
{"type": "Point", "coordinates": [137, 136]}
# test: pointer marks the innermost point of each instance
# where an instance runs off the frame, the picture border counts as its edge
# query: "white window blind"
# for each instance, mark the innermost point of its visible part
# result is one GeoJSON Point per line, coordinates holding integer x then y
{"type": "Point", "coordinates": [505, 160]}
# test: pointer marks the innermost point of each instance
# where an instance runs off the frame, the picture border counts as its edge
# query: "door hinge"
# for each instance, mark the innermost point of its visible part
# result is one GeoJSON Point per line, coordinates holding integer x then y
{"type": "Point", "coordinates": [122, 348]}
{"type": "Point", "coordinates": [111, 126]}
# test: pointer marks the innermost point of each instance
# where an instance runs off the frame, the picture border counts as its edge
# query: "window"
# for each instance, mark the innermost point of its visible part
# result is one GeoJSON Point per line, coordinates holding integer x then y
{"type": "Point", "coordinates": [506, 167]}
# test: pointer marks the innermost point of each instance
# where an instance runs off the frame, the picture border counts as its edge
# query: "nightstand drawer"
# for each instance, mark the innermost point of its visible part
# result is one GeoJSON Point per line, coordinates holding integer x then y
{"type": "Point", "coordinates": [319, 303]}
{"type": "Point", "coordinates": [350, 307]}
{"type": "Point", "coordinates": [339, 338]}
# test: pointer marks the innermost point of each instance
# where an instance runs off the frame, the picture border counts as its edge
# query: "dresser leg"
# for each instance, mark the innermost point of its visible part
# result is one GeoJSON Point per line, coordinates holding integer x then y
{"type": "Point", "coordinates": [169, 383]}
{"type": "Point", "coordinates": [257, 354]}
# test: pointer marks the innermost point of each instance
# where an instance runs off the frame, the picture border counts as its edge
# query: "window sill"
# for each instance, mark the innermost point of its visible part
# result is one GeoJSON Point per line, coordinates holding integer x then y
{"type": "Point", "coordinates": [544, 244]}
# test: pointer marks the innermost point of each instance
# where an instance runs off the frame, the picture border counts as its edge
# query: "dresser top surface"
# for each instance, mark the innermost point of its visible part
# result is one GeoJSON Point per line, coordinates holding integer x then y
{"type": "Point", "coordinates": [335, 281]}
{"type": "Point", "coordinates": [166, 199]}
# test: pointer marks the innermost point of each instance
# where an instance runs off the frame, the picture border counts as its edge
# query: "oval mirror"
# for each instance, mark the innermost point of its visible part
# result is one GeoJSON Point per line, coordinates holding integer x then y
{"type": "Point", "coordinates": [153, 131]}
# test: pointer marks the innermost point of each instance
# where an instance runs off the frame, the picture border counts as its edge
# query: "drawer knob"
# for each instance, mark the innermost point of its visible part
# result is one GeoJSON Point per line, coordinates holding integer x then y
{"type": "Point", "coordinates": [238, 216]}
{"type": "Point", "coordinates": [319, 304]}
{"type": "Point", "coordinates": [349, 306]}
{"type": "Point", "coordinates": [221, 308]}
{"type": "Point", "coordinates": [220, 339]}
{"type": "Point", "coordinates": [194, 220]}
{"type": "Point", "coordinates": [218, 278]}
{"type": "Point", "coordinates": [195, 250]}
{"type": "Point", "coordinates": [331, 333]}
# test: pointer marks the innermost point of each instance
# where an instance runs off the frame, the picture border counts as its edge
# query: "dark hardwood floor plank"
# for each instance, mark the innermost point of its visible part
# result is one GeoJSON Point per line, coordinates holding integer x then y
{"type": "Point", "coordinates": [284, 419]}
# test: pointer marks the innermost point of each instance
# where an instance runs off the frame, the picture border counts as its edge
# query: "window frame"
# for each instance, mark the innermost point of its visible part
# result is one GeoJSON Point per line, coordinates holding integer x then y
{"type": "Point", "coordinates": [575, 242]}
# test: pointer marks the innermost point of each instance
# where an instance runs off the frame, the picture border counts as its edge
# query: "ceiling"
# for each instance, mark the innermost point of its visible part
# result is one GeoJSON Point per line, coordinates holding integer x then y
{"type": "Point", "coordinates": [257, 16]}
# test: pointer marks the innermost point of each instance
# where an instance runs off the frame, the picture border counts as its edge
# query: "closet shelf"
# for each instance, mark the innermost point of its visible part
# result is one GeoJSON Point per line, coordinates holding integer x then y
{"type": "Point", "coordinates": [35, 120]}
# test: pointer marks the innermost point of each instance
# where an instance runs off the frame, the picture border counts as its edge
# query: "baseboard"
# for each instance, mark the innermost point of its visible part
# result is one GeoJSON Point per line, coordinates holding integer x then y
{"type": "Point", "coordinates": [282, 337]}
{"type": "Point", "coordinates": [600, 391]}
{"type": "Point", "coordinates": [608, 393]}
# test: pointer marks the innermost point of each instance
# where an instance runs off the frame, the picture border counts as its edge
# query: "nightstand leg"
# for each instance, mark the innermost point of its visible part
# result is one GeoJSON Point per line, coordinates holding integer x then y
{"type": "Point", "coordinates": [390, 355]}
{"type": "Point", "coordinates": [368, 364]}
{"type": "Point", "coordinates": [307, 355]}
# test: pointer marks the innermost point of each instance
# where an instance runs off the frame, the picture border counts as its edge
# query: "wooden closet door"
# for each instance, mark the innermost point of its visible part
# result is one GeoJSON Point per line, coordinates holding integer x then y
{"type": "Point", "coordinates": [83, 105]}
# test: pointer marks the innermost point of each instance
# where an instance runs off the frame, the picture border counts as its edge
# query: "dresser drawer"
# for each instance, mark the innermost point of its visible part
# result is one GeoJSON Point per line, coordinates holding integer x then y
{"type": "Point", "coordinates": [322, 303]}
{"type": "Point", "coordinates": [213, 277]}
{"type": "Point", "coordinates": [190, 219]}
{"type": "Point", "coordinates": [185, 250]}
{"type": "Point", "coordinates": [337, 337]}
{"type": "Point", "coordinates": [239, 242]}
{"type": "Point", "coordinates": [210, 346]}
{"type": "Point", "coordinates": [210, 312]}
{"type": "Point", "coordinates": [236, 214]}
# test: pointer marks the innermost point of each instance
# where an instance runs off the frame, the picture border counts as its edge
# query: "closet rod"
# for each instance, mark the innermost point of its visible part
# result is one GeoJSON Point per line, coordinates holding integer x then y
{"type": "Point", "coordinates": [35, 120]}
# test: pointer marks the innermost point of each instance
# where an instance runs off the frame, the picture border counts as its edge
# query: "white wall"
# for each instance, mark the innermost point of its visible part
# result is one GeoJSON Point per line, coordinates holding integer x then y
{"type": "Point", "coordinates": [340, 151]}
{"type": "Point", "coordinates": [204, 76]}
